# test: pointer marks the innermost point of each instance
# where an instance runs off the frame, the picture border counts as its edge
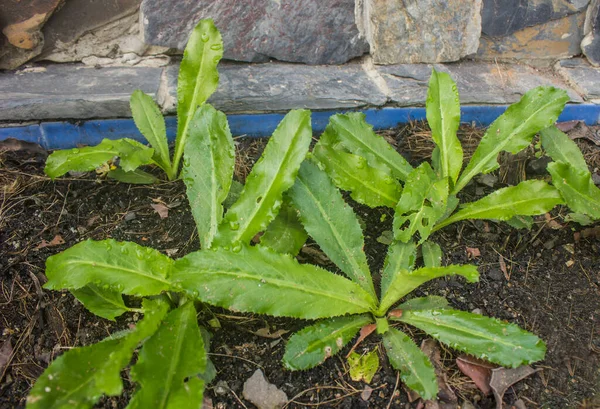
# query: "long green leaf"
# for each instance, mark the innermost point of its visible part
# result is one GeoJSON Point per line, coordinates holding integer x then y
{"type": "Point", "coordinates": [577, 188]}
{"type": "Point", "coordinates": [429, 302]}
{"type": "Point", "coordinates": [561, 148]}
{"type": "Point", "coordinates": [406, 281]}
{"type": "Point", "coordinates": [367, 185]}
{"type": "Point", "coordinates": [443, 116]}
{"type": "Point", "coordinates": [487, 338]}
{"type": "Point", "coordinates": [331, 222]}
{"type": "Point", "coordinates": [356, 135]}
{"type": "Point", "coordinates": [314, 344]}
{"type": "Point", "coordinates": [416, 371]}
{"type": "Point", "coordinates": [285, 234]}
{"type": "Point", "coordinates": [132, 154]}
{"type": "Point", "coordinates": [172, 355]}
{"type": "Point", "coordinates": [104, 303]}
{"type": "Point", "coordinates": [400, 256]}
{"type": "Point", "coordinates": [432, 254]}
{"type": "Point", "coordinates": [256, 279]}
{"type": "Point", "coordinates": [198, 79]}
{"type": "Point", "coordinates": [80, 376]}
{"type": "Point", "coordinates": [514, 130]}
{"type": "Point", "coordinates": [208, 169]}
{"type": "Point", "coordinates": [528, 198]}
{"type": "Point", "coordinates": [422, 204]}
{"type": "Point", "coordinates": [273, 174]}
{"type": "Point", "coordinates": [123, 266]}
{"type": "Point", "coordinates": [150, 122]}
{"type": "Point", "coordinates": [134, 177]}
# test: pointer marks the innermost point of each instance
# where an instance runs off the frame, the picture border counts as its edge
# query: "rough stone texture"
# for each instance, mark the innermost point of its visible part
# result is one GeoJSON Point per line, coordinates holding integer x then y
{"type": "Point", "coordinates": [544, 42]}
{"type": "Point", "coordinates": [281, 87]}
{"type": "Point", "coordinates": [582, 76]}
{"type": "Point", "coordinates": [20, 23]}
{"type": "Point", "coordinates": [82, 28]}
{"type": "Point", "coordinates": [308, 31]}
{"type": "Point", "coordinates": [263, 394]}
{"type": "Point", "coordinates": [504, 17]}
{"type": "Point", "coordinates": [73, 92]}
{"type": "Point", "coordinates": [424, 31]}
{"type": "Point", "coordinates": [590, 45]}
{"type": "Point", "coordinates": [478, 83]}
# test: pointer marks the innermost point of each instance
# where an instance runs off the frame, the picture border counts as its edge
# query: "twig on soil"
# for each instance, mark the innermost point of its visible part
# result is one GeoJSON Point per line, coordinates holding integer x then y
{"type": "Point", "coordinates": [236, 357]}
{"type": "Point", "coordinates": [237, 398]}
{"type": "Point", "coordinates": [389, 405]}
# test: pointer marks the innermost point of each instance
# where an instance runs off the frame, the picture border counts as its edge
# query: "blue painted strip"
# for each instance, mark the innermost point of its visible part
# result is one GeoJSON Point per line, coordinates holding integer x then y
{"type": "Point", "coordinates": [63, 135]}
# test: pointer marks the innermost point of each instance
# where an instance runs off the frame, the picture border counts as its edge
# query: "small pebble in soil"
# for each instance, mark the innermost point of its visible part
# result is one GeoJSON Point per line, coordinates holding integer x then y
{"type": "Point", "coordinates": [263, 394]}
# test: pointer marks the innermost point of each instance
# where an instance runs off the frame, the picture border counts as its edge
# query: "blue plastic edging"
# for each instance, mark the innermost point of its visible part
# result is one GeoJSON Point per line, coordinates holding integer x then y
{"type": "Point", "coordinates": [64, 134]}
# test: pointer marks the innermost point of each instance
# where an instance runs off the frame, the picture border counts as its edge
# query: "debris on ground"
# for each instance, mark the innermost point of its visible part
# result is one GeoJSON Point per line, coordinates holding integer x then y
{"type": "Point", "coordinates": [263, 394]}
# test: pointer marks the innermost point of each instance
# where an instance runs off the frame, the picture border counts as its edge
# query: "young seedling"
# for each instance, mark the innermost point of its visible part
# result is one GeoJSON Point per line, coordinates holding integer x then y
{"type": "Point", "coordinates": [198, 79]}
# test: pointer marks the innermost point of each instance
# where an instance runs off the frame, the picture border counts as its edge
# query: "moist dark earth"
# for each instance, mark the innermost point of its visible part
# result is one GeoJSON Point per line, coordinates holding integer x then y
{"type": "Point", "coordinates": [545, 279]}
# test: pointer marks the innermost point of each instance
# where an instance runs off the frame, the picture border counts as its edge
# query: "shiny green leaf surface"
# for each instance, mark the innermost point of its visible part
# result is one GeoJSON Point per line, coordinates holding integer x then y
{"type": "Point", "coordinates": [209, 159]}
{"type": "Point", "coordinates": [357, 136]}
{"type": "Point", "coordinates": [528, 198]}
{"type": "Point", "coordinates": [367, 185]}
{"type": "Point", "coordinates": [561, 148]}
{"type": "Point", "coordinates": [256, 279]}
{"type": "Point", "coordinates": [80, 376]}
{"type": "Point", "coordinates": [406, 281]}
{"type": "Point", "coordinates": [285, 234]}
{"type": "Point", "coordinates": [487, 338]}
{"type": "Point", "coordinates": [171, 356]}
{"type": "Point", "coordinates": [134, 177]}
{"type": "Point", "coordinates": [514, 130]}
{"type": "Point", "coordinates": [131, 154]}
{"type": "Point", "coordinates": [432, 254]}
{"type": "Point", "coordinates": [400, 257]}
{"type": "Point", "coordinates": [429, 302]}
{"type": "Point", "coordinates": [331, 222]}
{"type": "Point", "coordinates": [121, 266]}
{"type": "Point", "coordinates": [422, 204]}
{"type": "Point", "coordinates": [198, 79]}
{"type": "Point", "coordinates": [273, 174]}
{"type": "Point", "coordinates": [416, 371]}
{"type": "Point", "coordinates": [577, 188]}
{"type": "Point", "coordinates": [443, 116]}
{"type": "Point", "coordinates": [149, 120]}
{"type": "Point", "coordinates": [314, 344]}
{"type": "Point", "coordinates": [103, 303]}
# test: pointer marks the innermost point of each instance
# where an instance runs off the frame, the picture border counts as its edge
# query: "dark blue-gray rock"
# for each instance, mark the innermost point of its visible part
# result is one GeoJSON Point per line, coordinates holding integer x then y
{"type": "Point", "coordinates": [307, 31]}
{"type": "Point", "coordinates": [282, 86]}
{"type": "Point", "coordinates": [590, 45]}
{"type": "Point", "coordinates": [541, 44]}
{"type": "Point", "coordinates": [504, 17]}
{"type": "Point", "coordinates": [70, 91]}
{"type": "Point", "coordinates": [477, 82]}
{"type": "Point", "coordinates": [424, 31]}
{"type": "Point", "coordinates": [583, 77]}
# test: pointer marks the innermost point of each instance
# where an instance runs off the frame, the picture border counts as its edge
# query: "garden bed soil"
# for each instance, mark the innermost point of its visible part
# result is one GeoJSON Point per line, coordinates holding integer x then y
{"type": "Point", "coordinates": [546, 280]}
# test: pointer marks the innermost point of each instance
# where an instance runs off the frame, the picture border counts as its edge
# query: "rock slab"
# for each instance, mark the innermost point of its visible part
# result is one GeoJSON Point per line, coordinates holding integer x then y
{"type": "Point", "coordinates": [582, 77]}
{"type": "Point", "coordinates": [307, 31]}
{"type": "Point", "coordinates": [424, 31]}
{"type": "Point", "coordinates": [590, 45]}
{"type": "Point", "coordinates": [263, 394]}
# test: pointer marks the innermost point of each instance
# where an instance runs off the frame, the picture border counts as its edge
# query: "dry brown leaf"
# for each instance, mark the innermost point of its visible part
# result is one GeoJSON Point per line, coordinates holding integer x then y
{"type": "Point", "coordinates": [56, 241]}
{"type": "Point", "coordinates": [366, 393]}
{"type": "Point", "coordinates": [266, 333]}
{"type": "Point", "coordinates": [473, 252]}
{"type": "Point", "coordinates": [553, 224]}
{"type": "Point", "coordinates": [479, 371]}
{"type": "Point", "coordinates": [503, 268]}
{"type": "Point", "coordinates": [161, 209]}
{"type": "Point", "coordinates": [6, 351]}
{"type": "Point", "coordinates": [504, 378]}
{"type": "Point", "coordinates": [364, 332]}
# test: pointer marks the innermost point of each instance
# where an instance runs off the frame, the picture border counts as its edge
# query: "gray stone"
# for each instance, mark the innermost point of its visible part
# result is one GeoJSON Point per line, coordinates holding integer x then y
{"type": "Point", "coordinates": [477, 82]}
{"type": "Point", "coordinates": [504, 17]}
{"type": "Point", "coordinates": [308, 31]}
{"type": "Point", "coordinates": [263, 394]}
{"type": "Point", "coordinates": [582, 77]}
{"type": "Point", "coordinates": [281, 87]}
{"type": "Point", "coordinates": [425, 31]}
{"type": "Point", "coordinates": [73, 92]}
{"type": "Point", "coordinates": [541, 44]}
{"type": "Point", "coordinates": [590, 45]}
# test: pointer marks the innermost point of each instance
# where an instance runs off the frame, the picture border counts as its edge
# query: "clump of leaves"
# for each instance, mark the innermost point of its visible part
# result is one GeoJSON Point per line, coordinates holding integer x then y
{"type": "Point", "coordinates": [120, 159]}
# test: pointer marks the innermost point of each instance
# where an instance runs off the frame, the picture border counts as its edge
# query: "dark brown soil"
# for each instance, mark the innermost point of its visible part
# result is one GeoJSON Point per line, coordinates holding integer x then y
{"type": "Point", "coordinates": [546, 280]}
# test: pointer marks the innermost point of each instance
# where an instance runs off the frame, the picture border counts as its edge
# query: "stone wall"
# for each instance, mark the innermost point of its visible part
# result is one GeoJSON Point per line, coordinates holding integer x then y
{"type": "Point", "coordinates": [315, 32]}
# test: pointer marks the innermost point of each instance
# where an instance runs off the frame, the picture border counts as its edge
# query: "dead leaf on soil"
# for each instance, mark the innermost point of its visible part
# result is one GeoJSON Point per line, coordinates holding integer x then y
{"type": "Point", "coordinates": [161, 209]}
{"type": "Point", "coordinates": [473, 252]}
{"type": "Point", "coordinates": [6, 351]}
{"type": "Point", "coordinates": [478, 370]}
{"type": "Point", "coordinates": [56, 241]}
{"type": "Point", "coordinates": [316, 255]}
{"type": "Point", "coordinates": [366, 393]}
{"type": "Point", "coordinates": [504, 378]}
{"type": "Point", "coordinates": [266, 333]}
{"type": "Point", "coordinates": [364, 332]}
{"type": "Point", "coordinates": [431, 348]}
{"type": "Point", "coordinates": [12, 144]}
{"type": "Point", "coordinates": [553, 224]}
{"type": "Point", "coordinates": [585, 132]}
{"type": "Point", "coordinates": [593, 232]}
{"type": "Point", "coordinates": [503, 268]}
